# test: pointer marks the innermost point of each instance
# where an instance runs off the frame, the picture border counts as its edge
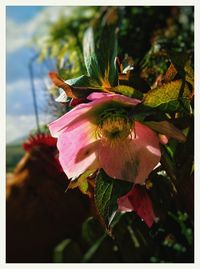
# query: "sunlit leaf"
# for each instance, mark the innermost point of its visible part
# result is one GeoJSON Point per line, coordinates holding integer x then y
{"type": "Point", "coordinates": [84, 183]}
{"type": "Point", "coordinates": [167, 97]}
{"type": "Point", "coordinates": [100, 50]}
{"type": "Point", "coordinates": [128, 91]}
{"type": "Point", "coordinates": [84, 81]}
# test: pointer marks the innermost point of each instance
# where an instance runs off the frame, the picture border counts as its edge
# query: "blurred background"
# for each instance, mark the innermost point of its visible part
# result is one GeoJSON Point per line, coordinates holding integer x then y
{"type": "Point", "coordinates": [44, 224]}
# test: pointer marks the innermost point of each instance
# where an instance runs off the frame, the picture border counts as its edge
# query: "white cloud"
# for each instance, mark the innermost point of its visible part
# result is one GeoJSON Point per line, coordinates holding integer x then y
{"type": "Point", "coordinates": [19, 126]}
{"type": "Point", "coordinates": [19, 85]}
{"type": "Point", "coordinates": [20, 34]}
{"type": "Point", "coordinates": [14, 37]}
{"type": "Point", "coordinates": [19, 99]}
{"type": "Point", "coordinates": [16, 94]}
{"type": "Point", "coordinates": [22, 85]}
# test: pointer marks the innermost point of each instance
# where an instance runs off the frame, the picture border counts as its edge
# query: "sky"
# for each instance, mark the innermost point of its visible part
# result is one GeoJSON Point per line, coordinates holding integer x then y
{"type": "Point", "coordinates": [21, 24]}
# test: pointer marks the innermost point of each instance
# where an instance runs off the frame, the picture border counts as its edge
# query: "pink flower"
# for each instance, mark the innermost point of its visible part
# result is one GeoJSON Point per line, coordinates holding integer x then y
{"type": "Point", "coordinates": [138, 200]}
{"type": "Point", "coordinates": [103, 134]}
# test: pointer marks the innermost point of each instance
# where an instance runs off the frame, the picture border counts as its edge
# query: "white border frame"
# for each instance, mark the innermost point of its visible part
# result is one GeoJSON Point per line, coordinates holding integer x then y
{"type": "Point", "coordinates": [3, 5]}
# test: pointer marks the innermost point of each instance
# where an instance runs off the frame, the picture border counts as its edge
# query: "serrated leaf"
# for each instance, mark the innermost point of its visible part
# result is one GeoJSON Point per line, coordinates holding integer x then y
{"type": "Point", "coordinates": [127, 91]}
{"type": "Point", "coordinates": [167, 97]}
{"type": "Point", "coordinates": [100, 50]}
{"type": "Point", "coordinates": [106, 193]}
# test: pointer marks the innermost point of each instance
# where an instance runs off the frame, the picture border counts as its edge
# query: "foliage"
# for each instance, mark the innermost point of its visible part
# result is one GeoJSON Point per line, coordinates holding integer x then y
{"type": "Point", "coordinates": [133, 242]}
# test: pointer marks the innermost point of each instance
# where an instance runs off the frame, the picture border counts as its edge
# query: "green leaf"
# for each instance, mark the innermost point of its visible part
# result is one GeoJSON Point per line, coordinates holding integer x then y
{"type": "Point", "coordinates": [93, 249]}
{"type": "Point", "coordinates": [127, 91]}
{"type": "Point", "coordinates": [70, 91]}
{"type": "Point", "coordinates": [90, 57]}
{"type": "Point", "coordinates": [106, 193]}
{"type": "Point", "coordinates": [91, 230]}
{"type": "Point", "coordinates": [67, 251]}
{"type": "Point", "coordinates": [84, 81]}
{"type": "Point", "coordinates": [100, 50]}
{"type": "Point", "coordinates": [167, 97]}
{"type": "Point", "coordinates": [168, 165]}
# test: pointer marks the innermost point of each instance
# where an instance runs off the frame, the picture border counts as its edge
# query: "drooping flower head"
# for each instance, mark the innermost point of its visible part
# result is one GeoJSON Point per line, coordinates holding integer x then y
{"type": "Point", "coordinates": [103, 134]}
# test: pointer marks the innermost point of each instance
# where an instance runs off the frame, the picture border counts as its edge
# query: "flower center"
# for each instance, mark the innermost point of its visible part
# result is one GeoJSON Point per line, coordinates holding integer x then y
{"type": "Point", "coordinates": [114, 125]}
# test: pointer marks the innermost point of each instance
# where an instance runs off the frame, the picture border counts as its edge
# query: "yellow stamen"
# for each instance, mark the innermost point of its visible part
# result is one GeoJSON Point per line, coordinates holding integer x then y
{"type": "Point", "coordinates": [115, 128]}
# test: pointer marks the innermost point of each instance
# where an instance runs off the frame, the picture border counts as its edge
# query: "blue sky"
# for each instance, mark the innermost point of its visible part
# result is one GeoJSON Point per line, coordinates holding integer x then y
{"type": "Point", "coordinates": [22, 13]}
{"type": "Point", "coordinates": [21, 23]}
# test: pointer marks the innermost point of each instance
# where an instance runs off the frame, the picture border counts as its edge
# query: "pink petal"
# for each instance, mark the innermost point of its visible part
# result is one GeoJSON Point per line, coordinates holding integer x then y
{"type": "Point", "coordinates": [58, 126]}
{"type": "Point", "coordinates": [113, 97]}
{"type": "Point", "coordinates": [77, 149]}
{"type": "Point", "coordinates": [97, 95]}
{"type": "Point", "coordinates": [138, 200]}
{"type": "Point", "coordinates": [147, 147]}
{"type": "Point", "coordinates": [133, 159]}
{"type": "Point", "coordinates": [119, 161]}
{"type": "Point", "coordinates": [124, 205]}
